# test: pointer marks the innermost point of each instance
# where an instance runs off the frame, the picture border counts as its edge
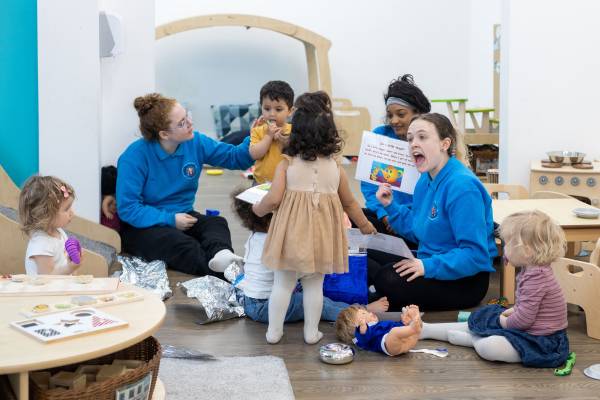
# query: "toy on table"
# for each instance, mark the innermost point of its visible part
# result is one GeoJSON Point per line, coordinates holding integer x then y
{"type": "Point", "coordinates": [73, 248]}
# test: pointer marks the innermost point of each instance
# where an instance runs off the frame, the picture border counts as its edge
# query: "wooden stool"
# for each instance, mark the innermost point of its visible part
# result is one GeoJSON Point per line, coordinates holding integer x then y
{"type": "Point", "coordinates": [459, 120]}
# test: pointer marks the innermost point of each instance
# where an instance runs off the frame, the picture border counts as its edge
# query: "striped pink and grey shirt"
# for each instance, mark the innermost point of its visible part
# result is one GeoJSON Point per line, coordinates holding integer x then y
{"type": "Point", "coordinates": [540, 307]}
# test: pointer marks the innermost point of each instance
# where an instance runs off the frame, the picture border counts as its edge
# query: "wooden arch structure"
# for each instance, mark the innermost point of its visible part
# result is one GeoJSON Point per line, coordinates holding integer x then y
{"type": "Point", "coordinates": [316, 46]}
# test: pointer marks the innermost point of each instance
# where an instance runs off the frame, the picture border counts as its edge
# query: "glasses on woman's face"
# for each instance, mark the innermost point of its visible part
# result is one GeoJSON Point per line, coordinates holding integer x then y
{"type": "Point", "coordinates": [186, 121]}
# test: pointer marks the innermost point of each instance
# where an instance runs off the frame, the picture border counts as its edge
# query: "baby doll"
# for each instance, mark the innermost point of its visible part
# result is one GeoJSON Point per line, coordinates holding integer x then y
{"type": "Point", "coordinates": [357, 325]}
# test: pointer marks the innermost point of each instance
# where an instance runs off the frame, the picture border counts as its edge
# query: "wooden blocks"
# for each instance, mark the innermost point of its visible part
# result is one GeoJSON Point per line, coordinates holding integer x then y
{"type": "Point", "coordinates": [108, 371]}
{"type": "Point", "coordinates": [68, 380]}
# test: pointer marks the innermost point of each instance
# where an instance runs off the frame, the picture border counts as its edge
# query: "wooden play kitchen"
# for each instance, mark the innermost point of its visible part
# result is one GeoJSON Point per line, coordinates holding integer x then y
{"type": "Point", "coordinates": [560, 174]}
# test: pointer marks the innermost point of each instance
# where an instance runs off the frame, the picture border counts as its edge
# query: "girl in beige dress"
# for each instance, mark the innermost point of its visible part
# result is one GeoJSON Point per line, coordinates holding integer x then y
{"type": "Point", "coordinates": [308, 196]}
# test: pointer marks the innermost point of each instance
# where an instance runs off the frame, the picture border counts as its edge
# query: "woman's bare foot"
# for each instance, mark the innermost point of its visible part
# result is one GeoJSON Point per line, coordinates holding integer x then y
{"type": "Point", "coordinates": [379, 306]}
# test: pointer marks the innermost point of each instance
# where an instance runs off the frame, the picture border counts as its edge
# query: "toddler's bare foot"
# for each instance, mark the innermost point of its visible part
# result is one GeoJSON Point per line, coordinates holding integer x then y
{"type": "Point", "coordinates": [379, 306]}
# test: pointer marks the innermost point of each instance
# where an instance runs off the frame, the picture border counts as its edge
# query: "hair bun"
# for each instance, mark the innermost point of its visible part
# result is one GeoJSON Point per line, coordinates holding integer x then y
{"type": "Point", "coordinates": [143, 104]}
{"type": "Point", "coordinates": [407, 78]}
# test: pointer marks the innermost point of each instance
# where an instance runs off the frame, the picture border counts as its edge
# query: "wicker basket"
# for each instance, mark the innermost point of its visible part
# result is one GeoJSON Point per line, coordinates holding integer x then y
{"type": "Point", "coordinates": [148, 350]}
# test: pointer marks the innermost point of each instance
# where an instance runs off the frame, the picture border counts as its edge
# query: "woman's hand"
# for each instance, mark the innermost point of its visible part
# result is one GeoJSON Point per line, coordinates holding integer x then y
{"type": "Point", "coordinates": [384, 194]}
{"type": "Point", "coordinates": [368, 229]}
{"type": "Point", "coordinates": [184, 221]}
{"type": "Point", "coordinates": [413, 267]}
{"type": "Point", "coordinates": [388, 227]}
{"type": "Point", "coordinates": [109, 206]}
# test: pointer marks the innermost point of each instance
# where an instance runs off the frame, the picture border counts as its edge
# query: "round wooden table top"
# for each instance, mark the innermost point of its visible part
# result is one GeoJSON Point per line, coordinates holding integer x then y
{"type": "Point", "coordinates": [20, 352]}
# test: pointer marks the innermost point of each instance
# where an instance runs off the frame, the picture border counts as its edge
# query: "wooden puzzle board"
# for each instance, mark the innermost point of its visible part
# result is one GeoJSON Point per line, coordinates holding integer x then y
{"type": "Point", "coordinates": [56, 285]}
{"type": "Point", "coordinates": [53, 327]}
{"type": "Point", "coordinates": [36, 309]}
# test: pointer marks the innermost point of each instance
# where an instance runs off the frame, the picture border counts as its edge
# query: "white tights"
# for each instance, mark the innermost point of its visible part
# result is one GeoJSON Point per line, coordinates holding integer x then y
{"type": "Point", "coordinates": [283, 285]}
{"type": "Point", "coordinates": [492, 348]}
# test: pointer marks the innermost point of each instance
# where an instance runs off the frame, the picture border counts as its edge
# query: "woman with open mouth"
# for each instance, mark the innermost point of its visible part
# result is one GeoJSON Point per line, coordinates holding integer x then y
{"type": "Point", "coordinates": [403, 101]}
{"type": "Point", "coordinates": [450, 218]}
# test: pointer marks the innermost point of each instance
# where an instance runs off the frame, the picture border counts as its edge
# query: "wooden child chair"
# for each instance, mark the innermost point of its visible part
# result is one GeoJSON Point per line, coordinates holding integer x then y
{"type": "Point", "coordinates": [514, 192]}
{"type": "Point", "coordinates": [580, 282]}
{"type": "Point", "coordinates": [507, 271]}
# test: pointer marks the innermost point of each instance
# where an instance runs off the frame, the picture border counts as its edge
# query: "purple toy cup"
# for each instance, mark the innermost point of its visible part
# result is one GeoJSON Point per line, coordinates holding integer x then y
{"type": "Point", "coordinates": [73, 248]}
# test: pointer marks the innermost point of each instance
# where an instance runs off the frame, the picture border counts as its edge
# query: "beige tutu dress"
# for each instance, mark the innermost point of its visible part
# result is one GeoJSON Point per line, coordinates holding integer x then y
{"type": "Point", "coordinates": [307, 231]}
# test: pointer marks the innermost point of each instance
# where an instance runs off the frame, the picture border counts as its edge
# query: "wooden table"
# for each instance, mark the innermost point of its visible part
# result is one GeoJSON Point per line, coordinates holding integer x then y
{"type": "Point", "coordinates": [560, 210]}
{"type": "Point", "coordinates": [20, 353]}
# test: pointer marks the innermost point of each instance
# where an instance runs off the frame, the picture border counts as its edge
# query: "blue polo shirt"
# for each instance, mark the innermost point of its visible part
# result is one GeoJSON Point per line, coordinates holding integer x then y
{"type": "Point", "coordinates": [153, 186]}
{"type": "Point", "coordinates": [369, 189]}
{"type": "Point", "coordinates": [451, 218]}
{"type": "Point", "coordinates": [374, 338]}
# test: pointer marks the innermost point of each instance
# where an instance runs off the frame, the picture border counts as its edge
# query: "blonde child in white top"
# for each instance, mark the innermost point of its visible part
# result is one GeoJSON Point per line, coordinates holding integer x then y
{"type": "Point", "coordinates": [44, 209]}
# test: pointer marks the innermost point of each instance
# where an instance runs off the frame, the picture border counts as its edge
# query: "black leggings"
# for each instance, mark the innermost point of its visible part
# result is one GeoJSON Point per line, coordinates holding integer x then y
{"type": "Point", "coordinates": [186, 251]}
{"type": "Point", "coordinates": [430, 294]}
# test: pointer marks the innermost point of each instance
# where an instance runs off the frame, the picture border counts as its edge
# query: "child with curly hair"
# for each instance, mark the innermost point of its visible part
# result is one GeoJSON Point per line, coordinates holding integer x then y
{"type": "Point", "coordinates": [307, 236]}
{"type": "Point", "coordinates": [45, 208]}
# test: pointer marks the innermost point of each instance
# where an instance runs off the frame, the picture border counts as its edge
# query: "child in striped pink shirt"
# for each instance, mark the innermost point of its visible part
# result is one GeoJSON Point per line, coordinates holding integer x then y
{"type": "Point", "coordinates": [533, 332]}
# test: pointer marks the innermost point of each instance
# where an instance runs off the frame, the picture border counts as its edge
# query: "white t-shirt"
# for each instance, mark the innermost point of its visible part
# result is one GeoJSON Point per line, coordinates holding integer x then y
{"type": "Point", "coordinates": [42, 244]}
{"type": "Point", "coordinates": [258, 279]}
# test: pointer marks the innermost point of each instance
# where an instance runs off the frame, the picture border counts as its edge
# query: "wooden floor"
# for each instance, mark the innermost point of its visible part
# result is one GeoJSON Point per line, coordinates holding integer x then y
{"type": "Point", "coordinates": [461, 375]}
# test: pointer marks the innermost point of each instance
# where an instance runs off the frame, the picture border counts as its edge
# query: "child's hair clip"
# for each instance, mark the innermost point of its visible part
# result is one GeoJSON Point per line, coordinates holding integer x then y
{"type": "Point", "coordinates": [65, 191]}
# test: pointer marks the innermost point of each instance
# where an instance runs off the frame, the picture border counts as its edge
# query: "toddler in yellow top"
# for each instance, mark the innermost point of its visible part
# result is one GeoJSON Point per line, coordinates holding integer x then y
{"type": "Point", "coordinates": [270, 132]}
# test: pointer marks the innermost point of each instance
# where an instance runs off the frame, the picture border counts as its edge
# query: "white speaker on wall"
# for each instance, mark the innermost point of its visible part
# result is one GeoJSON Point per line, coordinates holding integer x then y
{"type": "Point", "coordinates": [111, 35]}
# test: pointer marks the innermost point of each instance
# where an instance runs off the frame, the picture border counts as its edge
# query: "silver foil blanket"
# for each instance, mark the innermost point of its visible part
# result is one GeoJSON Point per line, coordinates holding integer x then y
{"type": "Point", "coordinates": [151, 275]}
{"type": "Point", "coordinates": [217, 298]}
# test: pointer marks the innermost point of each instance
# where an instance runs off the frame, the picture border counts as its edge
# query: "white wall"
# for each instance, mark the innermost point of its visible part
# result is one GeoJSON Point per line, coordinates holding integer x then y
{"type": "Point", "coordinates": [484, 14]}
{"type": "Point", "coordinates": [372, 43]}
{"type": "Point", "coordinates": [549, 82]}
{"type": "Point", "coordinates": [86, 103]}
{"type": "Point", "coordinates": [69, 90]}
{"type": "Point", "coordinates": [126, 76]}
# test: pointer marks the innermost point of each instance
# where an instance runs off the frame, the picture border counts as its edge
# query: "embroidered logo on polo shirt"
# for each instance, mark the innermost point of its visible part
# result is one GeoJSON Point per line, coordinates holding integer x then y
{"type": "Point", "coordinates": [189, 170]}
{"type": "Point", "coordinates": [433, 213]}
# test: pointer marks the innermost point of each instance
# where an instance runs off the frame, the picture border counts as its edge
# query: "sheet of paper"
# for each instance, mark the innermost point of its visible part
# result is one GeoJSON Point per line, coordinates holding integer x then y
{"type": "Point", "coordinates": [379, 241]}
{"type": "Point", "coordinates": [385, 160]}
{"type": "Point", "coordinates": [255, 193]}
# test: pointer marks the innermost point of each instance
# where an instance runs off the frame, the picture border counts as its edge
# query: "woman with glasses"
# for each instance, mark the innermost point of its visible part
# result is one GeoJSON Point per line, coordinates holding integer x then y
{"type": "Point", "coordinates": [156, 188]}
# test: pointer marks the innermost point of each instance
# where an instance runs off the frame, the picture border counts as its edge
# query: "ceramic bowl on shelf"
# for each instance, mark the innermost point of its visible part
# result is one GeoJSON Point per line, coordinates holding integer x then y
{"type": "Point", "coordinates": [566, 157]}
{"type": "Point", "coordinates": [589, 213]}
